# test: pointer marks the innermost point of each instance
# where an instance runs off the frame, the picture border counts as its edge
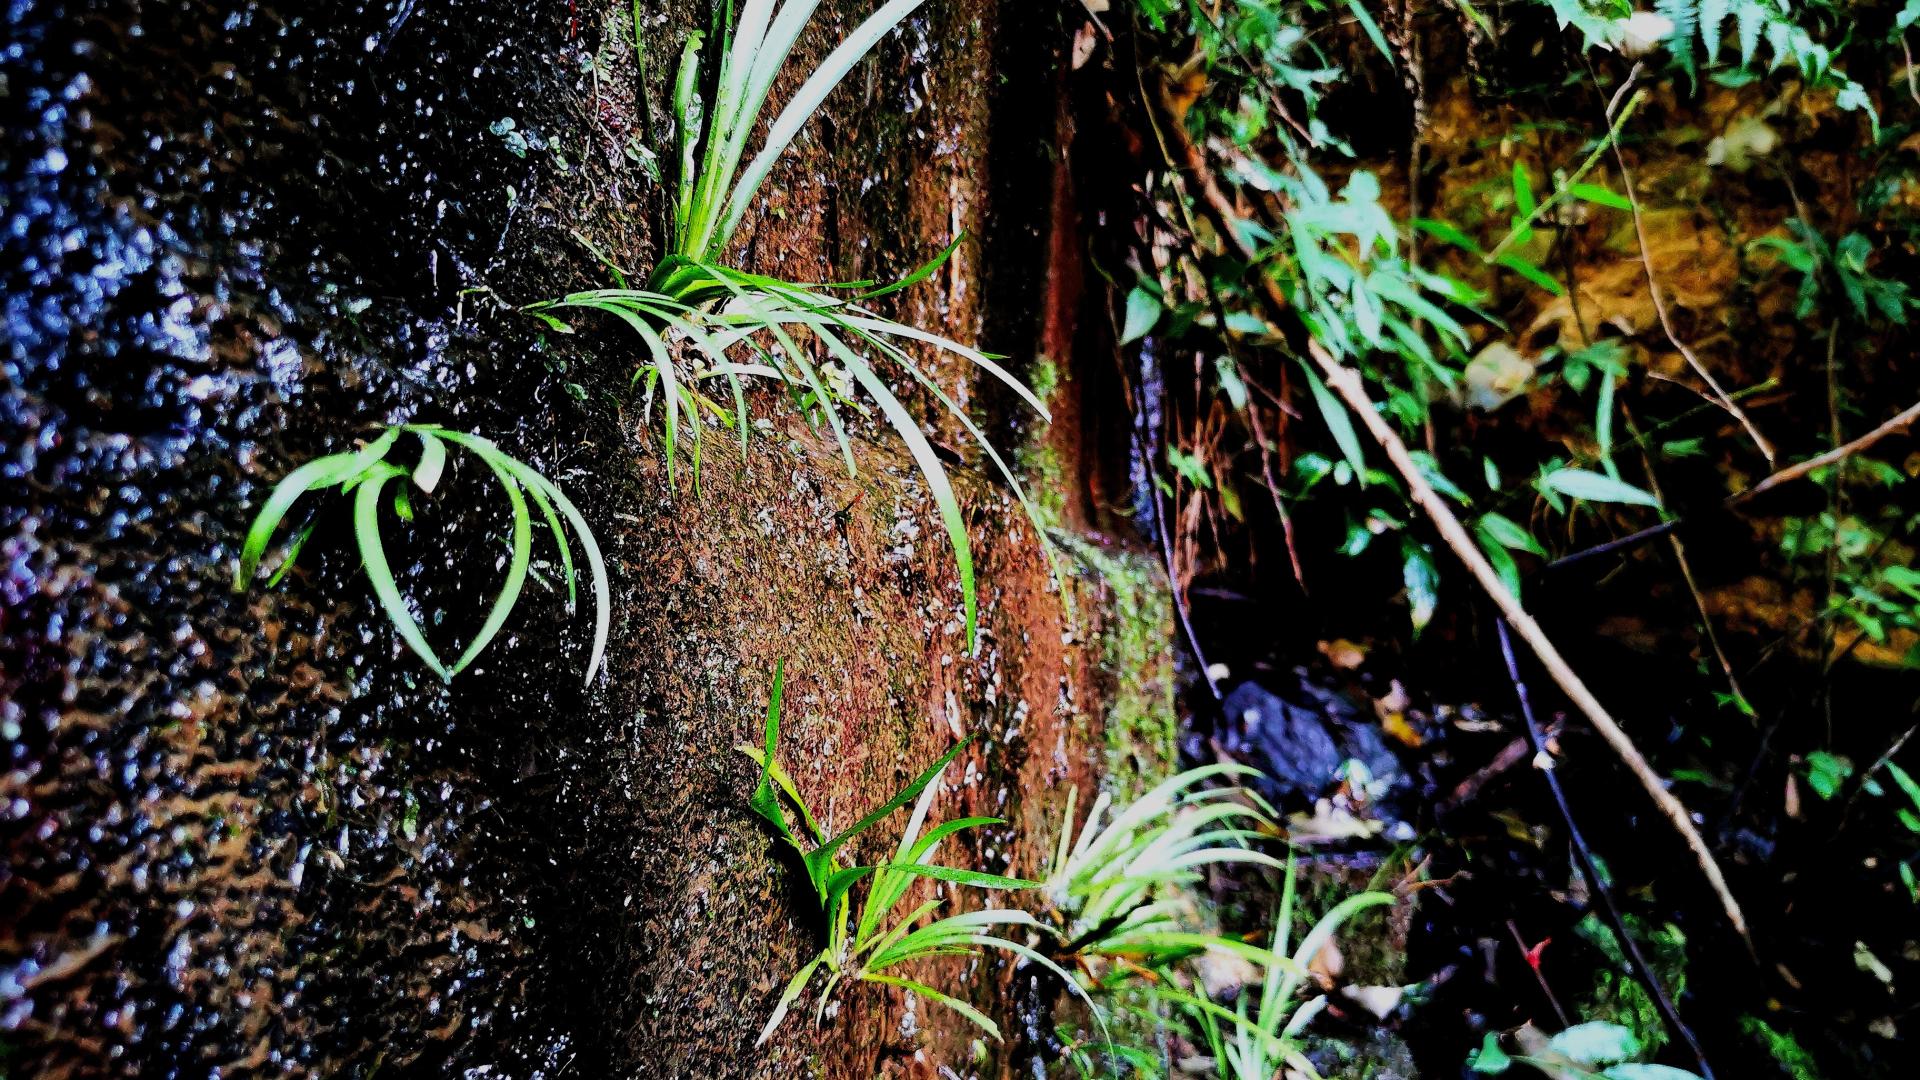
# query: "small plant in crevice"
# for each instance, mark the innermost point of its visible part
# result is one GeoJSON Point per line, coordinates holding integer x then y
{"type": "Point", "coordinates": [1117, 890]}
{"type": "Point", "coordinates": [1257, 1040]}
{"type": "Point", "coordinates": [1125, 894]}
{"type": "Point", "coordinates": [703, 323]}
{"type": "Point", "coordinates": [870, 947]}
{"type": "Point", "coordinates": [365, 473]}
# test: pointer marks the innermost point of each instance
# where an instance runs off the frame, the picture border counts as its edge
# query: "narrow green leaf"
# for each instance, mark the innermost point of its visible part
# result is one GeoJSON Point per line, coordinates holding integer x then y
{"type": "Point", "coordinates": [834, 884]}
{"type": "Point", "coordinates": [1599, 196]}
{"type": "Point", "coordinates": [932, 471]}
{"type": "Point", "coordinates": [596, 564]}
{"type": "Point", "coordinates": [1905, 782]}
{"type": "Point", "coordinates": [433, 461]}
{"type": "Point", "coordinates": [1450, 234]}
{"type": "Point", "coordinates": [1523, 200]}
{"type": "Point", "coordinates": [1596, 487]}
{"type": "Point", "coordinates": [1531, 272]}
{"type": "Point", "coordinates": [758, 304]}
{"type": "Point", "coordinates": [554, 527]}
{"type": "Point", "coordinates": [795, 986]}
{"type": "Point", "coordinates": [805, 103]}
{"type": "Point", "coordinates": [978, 1018]}
{"type": "Point", "coordinates": [366, 530]}
{"type": "Point", "coordinates": [899, 800]}
{"type": "Point", "coordinates": [1040, 524]}
{"type": "Point", "coordinates": [293, 553]}
{"type": "Point", "coordinates": [320, 472]}
{"type": "Point", "coordinates": [1509, 533]}
{"type": "Point", "coordinates": [1338, 422]}
{"type": "Point", "coordinates": [973, 356]}
{"type": "Point", "coordinates": [975, 878]}
{"type": "Point", "coordinates": [688, 115]}
{"type": "Point", "coordinates": [1502, 560]}
{"type": "Point", "coordinates": [1372, 28]}
{"type": "Point", "coordinates": [522, 557]}
{"type": "Point", "coordinates": [923, 273]}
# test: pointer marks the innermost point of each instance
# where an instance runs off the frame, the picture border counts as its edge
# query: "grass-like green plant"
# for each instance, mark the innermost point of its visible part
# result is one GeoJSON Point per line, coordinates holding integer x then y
{"type": "Point", "coordinates": [1256, 1038]}
{"type": "Point", "coordinates": [703, 323]}
{"type": "Point", "coordinates": [1117, 888]}
{"type": "Point", "coordinates": [365, 473]}
{"type": "Point", "coordinates": [871, 947]}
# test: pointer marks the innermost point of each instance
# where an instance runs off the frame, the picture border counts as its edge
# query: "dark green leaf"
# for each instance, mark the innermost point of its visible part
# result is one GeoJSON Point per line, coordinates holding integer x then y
{"type": "Point", "coordinates": [1143, 311]}
{"type": "Point", "coordinates": [1490, 1058]}
{"type": "Point", "coordinates": [1596, 487]}
{"type": "Point", "coordinates": [1531, 272]}
{"type": "Point", "coordinates": [1599, 196]}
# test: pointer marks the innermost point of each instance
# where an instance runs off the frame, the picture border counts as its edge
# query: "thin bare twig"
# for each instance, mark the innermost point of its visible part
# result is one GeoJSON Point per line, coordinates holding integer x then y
{"type": "Point", "coordinates": [1721, 397]}
{"type": "Point", "coordinates": [1838, 454]}
{"type": "Point", "coordinates": [1589, 869]}
{"type": "Point", "coordinates": [1540, 977]}
{"type": "Point", "coordinates": [1895, 426]}
{"type": "Point", "coordinates": [1866, 774]}
{"type": "Point", "coordinates": [1346, 382]}
{"type": "Point", "coordinates": [1686, 572]}
{"type": "Point", "coordinates": [1468, 790]}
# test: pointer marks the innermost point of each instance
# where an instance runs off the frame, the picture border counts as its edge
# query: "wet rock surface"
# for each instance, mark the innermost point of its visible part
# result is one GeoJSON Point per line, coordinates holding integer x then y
{"type": "Point", "coordinates": [1302, 741]}
{"type": "Point", "coordinates": [248, 834]}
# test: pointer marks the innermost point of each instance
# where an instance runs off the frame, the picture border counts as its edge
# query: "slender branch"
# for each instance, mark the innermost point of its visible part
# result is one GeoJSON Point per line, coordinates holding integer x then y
{"type": "Point", "coordinates": [1538, 975]}
{"type": "Point", "coordinates": [1666, 319]}
{"type": "Point", "coordinates": [1346, 382]}
{"type": "Point", "coordinates": [1623, 543]}
{"type": "Point", "coordinates": [1866, 774]}
{"type": "Point", "coordinates": [1583, 854]}
{"type": "Point", "coordinates": [1562, 189]}
{"type": "Point", "coordinates": [1787, 475]}
{"type": "Point", "coordinates": [1686, 572]}
{"type": "Point", "coordinates": [1839, 453]}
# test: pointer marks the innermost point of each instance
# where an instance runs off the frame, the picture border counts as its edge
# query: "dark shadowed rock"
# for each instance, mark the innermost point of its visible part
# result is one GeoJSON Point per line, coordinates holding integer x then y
{"type": "Point", "coordinates": [1303, 743]}
{"type": "Point", "coordinates": [1290, 743]}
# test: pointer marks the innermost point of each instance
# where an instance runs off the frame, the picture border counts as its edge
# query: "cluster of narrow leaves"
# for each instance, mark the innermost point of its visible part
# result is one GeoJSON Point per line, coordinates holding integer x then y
{"type": "Point", "coordinates": [871, 946]}
{"type": "Point", "coordinates": [365, 473]}
{"type": "Point", "coordinates": [1116, 886]}
{"type": "Point", "coordinates": [1123, 888]}
{"type": "Point", "coordinates": [703, 323]}
{"type": "Point", "coordinates": [715, 313]}
{"type": "Point", "coordinates": [1116, 893]}
{"type": "Point", "coordinates": [1255, 1040]}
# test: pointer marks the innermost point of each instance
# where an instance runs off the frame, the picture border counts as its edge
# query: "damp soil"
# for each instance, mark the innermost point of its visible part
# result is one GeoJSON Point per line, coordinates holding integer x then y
{"type": "Point", "coordinates": [247, 834]}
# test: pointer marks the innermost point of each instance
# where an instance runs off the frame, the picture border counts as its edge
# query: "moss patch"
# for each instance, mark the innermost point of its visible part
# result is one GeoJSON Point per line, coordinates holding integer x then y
{"type": "Point", "coordinates": [1142, 725]}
